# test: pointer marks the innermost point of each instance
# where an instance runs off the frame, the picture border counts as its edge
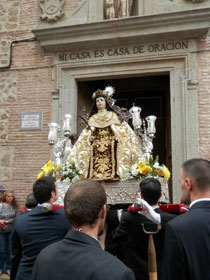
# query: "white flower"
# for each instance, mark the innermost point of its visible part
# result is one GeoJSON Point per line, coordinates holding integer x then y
{"type": "Point", "coordinates": [156, 165]}
{"type": "Point", "coordinates": [134, 170]}
{"type": "Point", "coordinates": [67, 180]}
{"type": "Point", "coordinates": [161, 168]}
{"type": "Point", "coordinates": [127, 176]}
{"type": "Point", "coordinates": [75, 179]}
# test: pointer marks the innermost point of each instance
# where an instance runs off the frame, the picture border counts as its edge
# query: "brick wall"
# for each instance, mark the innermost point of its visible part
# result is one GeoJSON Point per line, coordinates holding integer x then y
{"type": "Point", "coordinates": [203, 62]}
{"type": "Point", "coordinates": [25, 86]}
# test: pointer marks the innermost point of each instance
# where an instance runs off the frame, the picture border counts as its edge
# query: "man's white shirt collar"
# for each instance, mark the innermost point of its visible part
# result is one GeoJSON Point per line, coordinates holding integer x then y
{"type": "Point", "coordinates": [198, 200]}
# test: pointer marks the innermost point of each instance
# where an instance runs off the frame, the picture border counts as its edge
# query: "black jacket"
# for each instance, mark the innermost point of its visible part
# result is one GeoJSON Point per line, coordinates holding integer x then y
{"type": "Point", "coordinates": [79, 257]}
{"type": "Point", "coordinates": [32, 232]}
{"type": "Point", "coordinates": [187, 245]}
{"type": "Point", "coordinates": [130, 232]}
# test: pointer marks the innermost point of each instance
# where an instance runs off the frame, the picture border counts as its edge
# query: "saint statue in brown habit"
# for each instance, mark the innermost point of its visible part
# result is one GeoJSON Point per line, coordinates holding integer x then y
{"type": "Point", "coordinates": [107, 147]}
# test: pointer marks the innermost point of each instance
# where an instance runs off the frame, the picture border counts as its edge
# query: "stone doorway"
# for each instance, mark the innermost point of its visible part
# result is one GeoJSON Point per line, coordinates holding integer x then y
{"type": "Point", "coordinates": [76, 81]}
{"type": "Point", "coordinates": [151, 93]}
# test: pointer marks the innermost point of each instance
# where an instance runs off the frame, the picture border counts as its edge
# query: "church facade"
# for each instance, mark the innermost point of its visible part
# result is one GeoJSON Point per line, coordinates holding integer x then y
{"type": "Point", "coordinates": [54, 54]}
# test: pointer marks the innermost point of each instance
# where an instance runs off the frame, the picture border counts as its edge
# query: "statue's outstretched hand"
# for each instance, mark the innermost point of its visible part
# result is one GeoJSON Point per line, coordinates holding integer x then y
{"type": "Point", "coordinates": [146, 210]}
{"type": "Point", "coordinates": [92, 138]}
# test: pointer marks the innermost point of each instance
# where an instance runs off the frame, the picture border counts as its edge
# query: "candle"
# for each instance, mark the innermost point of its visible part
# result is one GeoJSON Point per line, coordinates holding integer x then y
{"type": "Point", "coordinates": [67, 124]}
{"type": "Point", "coordinates": [151, 124]}
{"type": "Point", "coordinates": [136, 120]}
{"type": "Point", "coordinates": [52, 136]}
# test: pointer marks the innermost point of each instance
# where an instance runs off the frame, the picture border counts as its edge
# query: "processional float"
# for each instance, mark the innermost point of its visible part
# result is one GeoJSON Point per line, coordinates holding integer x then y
{"type": "Point", "coordinates": [125, 190]}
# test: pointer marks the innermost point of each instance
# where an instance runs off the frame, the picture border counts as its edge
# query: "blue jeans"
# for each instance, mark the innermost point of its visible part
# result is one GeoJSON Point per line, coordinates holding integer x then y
{"type": "Point", "coordinates": [5, 251]}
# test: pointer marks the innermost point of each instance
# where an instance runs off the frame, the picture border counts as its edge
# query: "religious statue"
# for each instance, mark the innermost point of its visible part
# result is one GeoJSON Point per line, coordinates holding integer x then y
{"type": "Point", "coordinates": [110, 10]}
{"type": "Point", "coordinates": [118, 8]}
{"type": "Point", "coordinates": [107, 147]}
{"type": "Point", "coordinates": [123, 8]}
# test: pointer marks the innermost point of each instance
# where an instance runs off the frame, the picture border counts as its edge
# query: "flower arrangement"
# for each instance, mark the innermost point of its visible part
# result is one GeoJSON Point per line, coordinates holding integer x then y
{"type": "Point", "coordinates": [48, 170]}
{"type": "Point", "coordinates": [64, 172]}
{"type": "Point", "coordinates": [152, 169]}
{"type": "Point", "coordinates": [69, 173]}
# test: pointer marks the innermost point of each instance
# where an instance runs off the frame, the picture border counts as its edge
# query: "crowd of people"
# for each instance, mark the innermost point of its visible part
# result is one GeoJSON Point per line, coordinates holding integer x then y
{"type": "Point", "coordinates": [58, 243]}
{"type": "Point", "coordinates": [130, 233]}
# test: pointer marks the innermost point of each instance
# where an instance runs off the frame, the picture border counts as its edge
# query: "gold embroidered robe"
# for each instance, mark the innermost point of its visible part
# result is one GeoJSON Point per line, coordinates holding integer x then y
{"type": "Point", "coordinates": [106, 149]}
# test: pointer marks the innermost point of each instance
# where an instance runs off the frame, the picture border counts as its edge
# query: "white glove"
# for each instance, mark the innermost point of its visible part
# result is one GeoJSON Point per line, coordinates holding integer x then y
{"type": "Point", "coordinates": [46, 207]}
{"type": "Point", "coordinates": [146, 210]}
{"type": "Point", "coordinates": [119, 214]}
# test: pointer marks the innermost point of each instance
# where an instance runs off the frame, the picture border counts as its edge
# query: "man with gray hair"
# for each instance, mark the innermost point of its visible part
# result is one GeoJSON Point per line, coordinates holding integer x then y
{"type": "Point", "coordinates": [79, 255]}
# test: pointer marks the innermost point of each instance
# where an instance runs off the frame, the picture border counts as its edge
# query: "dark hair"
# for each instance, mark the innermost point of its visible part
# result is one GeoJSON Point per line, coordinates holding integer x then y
{"type": "Point", "coordinates": [83, 202]}
{"type": "Point", "coordinates": [30, 201]}
{"type": "Point", "coordinates": [151, 190]}
{"type": "Point", "coordinates": [42, 189]}
{"type": "Point", "coordinates": [1, 196]}
{"type": "Point", "coordinates": [94, 108]}
{"type": "Point", "coordinates": [14, 202]}
{"type": "Point", "coordinates": [199, 170]}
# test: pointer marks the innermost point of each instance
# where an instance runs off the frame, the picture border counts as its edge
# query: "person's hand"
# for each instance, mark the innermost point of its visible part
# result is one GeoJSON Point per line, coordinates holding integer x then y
{"type": "Point", "coordinates": [92, 138]}
{"type": "Point", "coordinates": [146, 210]}
{"type": "Point", "coordinates": [46, 207]}
{"type": "Point", "coordinates": [119, 214]}
{"type": "Point", "coordinates": [3, 223]}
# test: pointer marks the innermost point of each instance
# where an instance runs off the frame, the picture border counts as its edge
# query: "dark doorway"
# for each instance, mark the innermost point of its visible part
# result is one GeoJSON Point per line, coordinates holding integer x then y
{"type": "Point", "coordinates": [151, 93]}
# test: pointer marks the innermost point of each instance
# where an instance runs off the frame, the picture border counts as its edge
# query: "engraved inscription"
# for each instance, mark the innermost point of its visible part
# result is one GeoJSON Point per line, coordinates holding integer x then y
{"type": "Point", "coordinates": [124, 51]}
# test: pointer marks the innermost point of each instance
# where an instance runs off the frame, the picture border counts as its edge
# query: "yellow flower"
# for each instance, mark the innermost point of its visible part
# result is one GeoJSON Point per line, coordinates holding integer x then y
{"type": "Point", "coordinates": [40, 175]}
{"type": "Point", "coordinates": [166, 173]}
{"type": "Point", "coordinates": [48, 167]}
{"type": "Point", "coordinates": [152, 168]}
{"type": "Point", "coordinates": [58, 168]}
{"type": "Point", "coordinates": [148, 168]}
{"type": "Point", "coordinates": [141, 166]}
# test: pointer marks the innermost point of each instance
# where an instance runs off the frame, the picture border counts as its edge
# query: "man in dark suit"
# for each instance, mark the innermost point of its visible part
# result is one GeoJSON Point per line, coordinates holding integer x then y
{"type": "Point", "coordinates": [79, 255]}
{"type": "Point", "coordinates": [130, 231]}
{"type": "Point", "coordinates": [187, 240]}
{"type": "Point", "coordinates": [36, 229]}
